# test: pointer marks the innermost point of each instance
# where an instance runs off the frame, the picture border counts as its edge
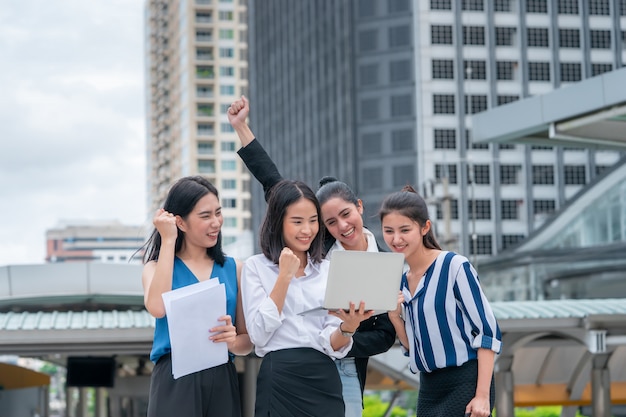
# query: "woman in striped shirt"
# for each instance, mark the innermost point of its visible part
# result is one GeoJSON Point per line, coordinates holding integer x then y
{"type": "Point", "coordinates": [443, 321]}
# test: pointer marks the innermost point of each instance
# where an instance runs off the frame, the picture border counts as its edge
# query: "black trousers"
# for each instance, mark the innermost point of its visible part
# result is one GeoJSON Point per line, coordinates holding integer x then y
{"type": "Point", "coordinates": [300, 382]}
{"type": "Point", "coordinates": [446, 392]}
{"type": "Point", "coordinates": [213, 392]}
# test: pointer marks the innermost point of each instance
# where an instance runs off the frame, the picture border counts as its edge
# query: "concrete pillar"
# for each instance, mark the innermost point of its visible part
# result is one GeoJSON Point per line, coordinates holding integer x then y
{"type": "Point", "coordinates": [601, 392]}
{"type": "Point", "coordinates": [250, 372]}
{"type": "Point", "coordinates": [505, 401]}
{"type": "Point", "coordinates": [82, 408]}
{"type": "Point", "coordinates": [101, 402]}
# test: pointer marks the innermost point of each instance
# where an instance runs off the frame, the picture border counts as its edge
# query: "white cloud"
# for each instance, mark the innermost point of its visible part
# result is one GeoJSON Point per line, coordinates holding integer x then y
{"type": "Point", "coordinates": [72, 128]}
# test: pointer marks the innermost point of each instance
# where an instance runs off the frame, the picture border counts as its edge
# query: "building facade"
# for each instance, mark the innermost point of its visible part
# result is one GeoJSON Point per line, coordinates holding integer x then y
{"type": "Point", "coordinates": [94, 241]}
{"type": "Point", "coordinates": [196, 65]}
{"type": "Point", "coordinates": [380, 94]}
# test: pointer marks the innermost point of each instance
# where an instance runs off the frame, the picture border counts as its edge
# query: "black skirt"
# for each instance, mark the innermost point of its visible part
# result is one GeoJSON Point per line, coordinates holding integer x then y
{"type": "Point", "coordinates": [446, 392]}
{"type": "Point", "coordinates": [299, 382]}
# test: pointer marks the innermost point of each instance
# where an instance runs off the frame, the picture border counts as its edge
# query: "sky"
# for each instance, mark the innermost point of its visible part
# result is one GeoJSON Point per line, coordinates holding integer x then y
{"type": "Point", "coordinates": [72, 119]}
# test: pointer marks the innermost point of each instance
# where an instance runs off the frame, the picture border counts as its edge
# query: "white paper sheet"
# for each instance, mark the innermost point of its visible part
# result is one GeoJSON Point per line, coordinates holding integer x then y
{"type": "Point", "coordinates": [191, 311]}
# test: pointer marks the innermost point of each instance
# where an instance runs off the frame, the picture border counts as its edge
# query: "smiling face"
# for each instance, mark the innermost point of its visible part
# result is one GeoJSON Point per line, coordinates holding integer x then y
{"type": "Point", "coordinates": [300, 225]}
{"type": "Point", "coordinates": [404, 235]}
{"type": "Point", "coordinates": [344, 221]}
{"type": "Point", "coordinates": [202, 226]}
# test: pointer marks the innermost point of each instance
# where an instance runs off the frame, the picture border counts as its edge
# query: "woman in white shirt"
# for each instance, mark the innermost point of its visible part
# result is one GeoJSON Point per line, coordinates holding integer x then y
{"type": "Point", "coordinates": [297, 376]}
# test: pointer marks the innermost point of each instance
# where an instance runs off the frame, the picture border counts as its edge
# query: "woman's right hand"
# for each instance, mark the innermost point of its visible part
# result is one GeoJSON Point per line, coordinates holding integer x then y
{"type": "Point", "coordinates": [238, 111]}
{"type": "Point", "coordinates": [288, 263]}
{"type": "Point", "coordinates": [397, 313]}
{"type": "Point", "coordinates": [165, 223]}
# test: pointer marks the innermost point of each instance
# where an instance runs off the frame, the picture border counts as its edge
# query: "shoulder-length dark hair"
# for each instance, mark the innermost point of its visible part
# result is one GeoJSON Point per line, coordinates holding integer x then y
{"type": "Point", "coordinates": [410, 204]}
{"type": "Point", "coordinates": [180, 201]}
{"type": "Point", "coordinates": [282, 195]}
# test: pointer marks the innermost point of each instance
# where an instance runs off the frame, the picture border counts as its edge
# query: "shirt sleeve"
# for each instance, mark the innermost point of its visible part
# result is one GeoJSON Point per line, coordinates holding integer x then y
{"type": "Point", "coordinates": [470, 295]}
{"type": "Point", "coordinates": [373, 336]}
{"type": "Point", "coordinates": [331, 323]}
{"type": "Point", "coordinates": [262, 316]}
{"type": "Point", "coordinates": [260, 165]}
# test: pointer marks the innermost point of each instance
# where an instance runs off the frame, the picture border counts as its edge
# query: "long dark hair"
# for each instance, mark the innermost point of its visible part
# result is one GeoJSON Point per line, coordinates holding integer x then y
{"type": "Point", "coordinates": [282, 195]}
{"type": "Point", "coordinates": [180, 201]}
{"type": "Point", "coordinates": [331, 187]}
{"type": "Point", "coordinates": [409, 203]}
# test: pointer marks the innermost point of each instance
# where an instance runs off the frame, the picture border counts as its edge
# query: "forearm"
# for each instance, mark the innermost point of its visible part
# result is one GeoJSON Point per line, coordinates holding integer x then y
{"type": "Point", "coordinates": [279, 292]}
{"type": "Point", "coordinates": [337, 340]}
{"type": "Point", "coordinates": [485, 372]}
{"type": "Point", "coordinates": [161, 281]}
{"type": "Point", "coordinates": [244, 132]}
{"type": "Point", "coordinates": [398, 325]}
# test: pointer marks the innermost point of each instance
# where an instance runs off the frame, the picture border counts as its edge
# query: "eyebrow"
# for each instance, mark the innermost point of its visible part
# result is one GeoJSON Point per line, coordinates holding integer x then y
{"type": "Point", "coordinates": [208, 211]}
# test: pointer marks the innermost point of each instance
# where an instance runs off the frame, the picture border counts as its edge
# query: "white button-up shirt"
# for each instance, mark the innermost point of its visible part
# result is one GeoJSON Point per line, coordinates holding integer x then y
{"type": "Point", "coordinates": [271, 331]}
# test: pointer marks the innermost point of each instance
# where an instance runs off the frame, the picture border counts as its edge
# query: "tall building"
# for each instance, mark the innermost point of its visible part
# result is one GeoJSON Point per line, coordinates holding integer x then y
{"type": "Point", "coordinates": [380, 94]}
{"type": "Point", "coordinates": [94, 241]}
{"type": "Point", "coordinates": [196, 65]}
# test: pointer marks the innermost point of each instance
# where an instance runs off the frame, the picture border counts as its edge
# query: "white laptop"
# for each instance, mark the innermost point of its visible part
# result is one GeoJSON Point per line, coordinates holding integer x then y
{"type": "Point", "coordinates": [355, 276]}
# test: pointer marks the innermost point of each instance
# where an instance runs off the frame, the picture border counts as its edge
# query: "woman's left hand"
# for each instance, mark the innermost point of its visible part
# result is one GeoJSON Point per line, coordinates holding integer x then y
{"type": "Point", "coordinates": [226, 333]}
{"type": "Point", "coordinates": [478, 407]}
{"type": "Point", "coordinates": [352, 318]}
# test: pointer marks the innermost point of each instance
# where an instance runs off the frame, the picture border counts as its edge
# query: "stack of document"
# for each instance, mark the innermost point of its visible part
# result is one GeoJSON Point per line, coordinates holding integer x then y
{"type": "Point", "coordinates": [191, 311]}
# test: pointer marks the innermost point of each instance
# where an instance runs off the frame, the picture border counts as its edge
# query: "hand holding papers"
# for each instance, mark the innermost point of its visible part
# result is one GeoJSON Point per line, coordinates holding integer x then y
{"type": "Point", "coordinates": [191, 311]}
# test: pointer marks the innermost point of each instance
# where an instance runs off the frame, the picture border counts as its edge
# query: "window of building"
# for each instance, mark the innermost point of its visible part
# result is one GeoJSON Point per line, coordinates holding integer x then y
{"type": "Point", "coordinates": [227, 146]}
{"type": "Point", "coordinates": [228, 165]}
{"type": "Point", "coordinates": [229, 184]}
{"type": "Point", "coordinates": [539, 71]}
{"type": "Point", "coordinates": [597, 69]}
{"type": "Point", "coordinates": [469, 144]}
{"type": "Point", "coordinates": [397, 6]}
{"type": "Point", "coordinates": [400, 70]}
{"type": "Point", "coordinates": [454, 210]}
{"type": "Point", "coordinates": [370, 109]}
{"type": "Point", "coordinates": [445, 138]}
{"type": "Point", "coordinates": [226, 34]}
{"type": "Point", "coordinates": [230, 221]}
{"type": "Point", "coordinates": [543, 174]}
{"type": "Point", "coordinates": [601, 169]}
{"type": "Point", "coordinates": [505, 70]}
{"type": "Point", "coordinates": [622, 7]}
{"type": "Point", "coordinates": [403, 175]}
{"type": "Point", "coordinates": [569, 38]}
{"type": "Point", "coordinates": [204, 17]}
{"type": "Point", "coordinates": [481, 174]}
{"type": "Point", "coordinates": [226, 16]}
{"type": "Point", "coordinates": [541, 148]}
{"type": "Point", "coordinates": [228, 90]}
{"type": "Point", "coordinates": [204, 36]}
{"type": "Point", "coordinates": [575, 175]}
{"type": "Point", "coordinates": [483, 245]}
{"type": "Point", "coordinates": [506, 146]}
{"type": "Point", "coordinates": [505, 36]}
{"type": "Point", "coordinates": [446, 171]}
{"type": "Point", "coordinates": [402, 140]}
{"type": "Point", "coordinates": [368, 40]}
{"type": "Point", "coordinates": [472, 5]}
{"type": "Point", "coordinates": [441, 35]}
{"type": "Point", "coordinates": [224, 108]}
{"type": "Point", "coordinates": [204, 91]}
{"type": "Point", "coordinates": [504, 99]}
{"type": "Point", "coordinates": [229, 203]}
{"type": "Point", "coordinates": [475, 70]}
{"type": "Point", "coordinates": [475, 104]}
{"type": "Point", "coordinates": [623, 39]}
{"type": "Point", "coordinates": [538, 37]}
{"type": "Point", "coordinates": [227, 52]}
{"type": "Point", "coordinates": [509, 209]}
{"type": "Point", "coordinates": [473, 35]}
{"type": "Point", "coordinates": [601, 39]}
{"type": "Point", "coordinates": [206, 129]}
{"type": "Point", "coordinates": [205, 110]}
{"type": "Point", "coordinates": [399, 36]}
{"type": "Point", "coordinates": [367, 8]}
{"type": "Point", "coordinates": [571, 71]}
{"type": "Point", "coordinates": [204, 72]}
{"type": "Point", "coordinates": [443, 69]}
{"type": "Point", "coordinates": [509, 174]}
{"type": "Point", "coordinates": [227, 71]}
{"type": "Point", "coordinates": [401, 105]}
{"type": "Point", "coordinates": [537, 6]}
{"type": "Point", "coordinates": [206, 166]}
{"type": "Point", "coordinates": [599, 7]}
{"type": "Point", "coordinates": [544, 206]}
{"type": "Point", "coordinates": [206, 148]}
{"type": "Point", "coordinates": [440, 4]}
{"type": "Point", "coordinates": [443, 103]}
{"type": "Point", "coordinates": [511, 240]}
{"type": "Point", "coordinates": [502, 6]}
{"type": "Point", "coordinates": [368, 74]}
{"type": "Point", "coordinates": [226, 127]}
{"type": "Point", "coordinates": [480, 208]}
{"type": "Point", "coordinates": [567, 6]}
{"type": "Point", "coordinates": [373, 178]}
{"type": "Point", "coordinates": [371, 143]}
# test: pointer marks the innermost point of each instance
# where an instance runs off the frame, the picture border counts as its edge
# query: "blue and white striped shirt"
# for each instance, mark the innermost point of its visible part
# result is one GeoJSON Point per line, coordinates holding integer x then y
{"type": "Point", "coordinates": [449, 317]}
